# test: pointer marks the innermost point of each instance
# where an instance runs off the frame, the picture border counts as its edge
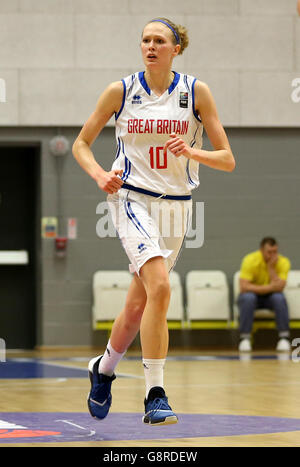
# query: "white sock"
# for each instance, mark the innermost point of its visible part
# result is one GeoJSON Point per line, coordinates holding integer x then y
{"type": "Point", "coordinates": [154, 373]}
{"type": "Point", "coordinates": [109, 360]}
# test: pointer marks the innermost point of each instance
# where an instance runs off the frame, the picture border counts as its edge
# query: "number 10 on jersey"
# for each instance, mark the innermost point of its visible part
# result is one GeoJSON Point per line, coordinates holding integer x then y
{"type": "Point", "coordinates": [158, 157]}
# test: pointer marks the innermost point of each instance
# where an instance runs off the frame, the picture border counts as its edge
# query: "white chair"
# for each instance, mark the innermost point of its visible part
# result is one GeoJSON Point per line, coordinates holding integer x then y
{"type": "Point", "coordinates": [261, 313]}
{"type": "Point", "coordinates": [207, 296]}
{"type": "Point", "coordinates": [110, 290]}
{"type": "Point", "coordinates": [176, 308]}
{"type": "Point", "coordinates": [292, 294]}
{"type": "Point", "coordinates": [109, 294]}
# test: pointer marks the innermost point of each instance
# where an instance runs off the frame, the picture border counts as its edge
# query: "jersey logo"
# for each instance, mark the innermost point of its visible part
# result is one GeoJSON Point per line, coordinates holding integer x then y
{"type": "Point", "coordinates": [183, 100]}
{"type": "Point", "coordinates": [136, 99]}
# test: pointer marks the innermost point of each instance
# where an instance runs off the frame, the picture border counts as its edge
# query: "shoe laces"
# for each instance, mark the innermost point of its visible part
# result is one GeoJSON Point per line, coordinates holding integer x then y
{"type": "Point", "coordinates": [159, 403]}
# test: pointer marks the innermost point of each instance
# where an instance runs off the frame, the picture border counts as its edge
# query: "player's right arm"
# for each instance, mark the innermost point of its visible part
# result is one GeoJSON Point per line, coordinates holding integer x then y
{"type": "Point", "coordinates": [108, 103]}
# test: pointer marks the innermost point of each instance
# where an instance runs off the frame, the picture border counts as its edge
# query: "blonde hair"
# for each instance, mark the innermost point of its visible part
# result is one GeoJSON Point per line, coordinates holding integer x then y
{"type": "Point", "coordinates": [180, 30]}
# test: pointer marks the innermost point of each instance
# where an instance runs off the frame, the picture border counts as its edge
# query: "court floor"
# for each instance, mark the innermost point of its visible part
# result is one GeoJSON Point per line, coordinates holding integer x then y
{"type": "Point", "coordinates": [221, 399]}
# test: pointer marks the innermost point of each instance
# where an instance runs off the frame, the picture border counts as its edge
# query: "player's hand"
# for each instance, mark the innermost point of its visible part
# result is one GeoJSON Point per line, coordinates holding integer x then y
{"type": "Point", "coordinates": [110, 182]}
{"type": "Point", "coordinates": [178, 147]}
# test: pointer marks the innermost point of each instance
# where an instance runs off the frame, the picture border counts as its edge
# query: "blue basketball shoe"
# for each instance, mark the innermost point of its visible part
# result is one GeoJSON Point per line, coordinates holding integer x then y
{"type": "Point", "coordinates": [99, 398]}
{"type": "Point", "coordinates": [157, 409]}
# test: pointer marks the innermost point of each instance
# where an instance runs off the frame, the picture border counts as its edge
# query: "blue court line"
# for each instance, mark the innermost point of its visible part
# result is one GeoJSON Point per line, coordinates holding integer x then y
{"type": "Point", "coordinates": [25, 368]}
{"type": "Point", "coordinates": [14, 369]}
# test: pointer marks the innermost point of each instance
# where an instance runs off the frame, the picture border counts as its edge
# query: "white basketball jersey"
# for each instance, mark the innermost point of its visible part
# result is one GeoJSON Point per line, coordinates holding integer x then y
{"type": "Point", "coordinates": [144, 124]}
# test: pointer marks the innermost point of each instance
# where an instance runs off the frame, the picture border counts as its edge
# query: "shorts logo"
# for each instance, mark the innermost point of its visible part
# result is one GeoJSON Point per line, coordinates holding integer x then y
{"type": "Point", "coordinates": [141, 247]}
{"type": "Point", "coordinates": [183, 100]}
{"type": "Point", "coordinates": [136, 99]}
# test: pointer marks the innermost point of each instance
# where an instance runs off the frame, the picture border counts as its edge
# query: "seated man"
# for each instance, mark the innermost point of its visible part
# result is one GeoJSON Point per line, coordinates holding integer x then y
{"type": "Point", "coordinates": [263, 277]}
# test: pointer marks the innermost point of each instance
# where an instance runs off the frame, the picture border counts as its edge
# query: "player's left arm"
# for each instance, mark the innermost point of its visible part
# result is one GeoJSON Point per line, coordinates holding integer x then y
{"type": "Point", "coordinates": [221, 157]}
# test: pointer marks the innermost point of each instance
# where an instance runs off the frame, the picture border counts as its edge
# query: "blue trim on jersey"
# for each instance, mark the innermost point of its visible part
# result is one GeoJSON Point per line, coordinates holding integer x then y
{"type": "Point", "coordinates": [119, 148]}
{"type": "Point", "coordinates": [186, 83]}
{"type": "Point", "coordinates": [188, 173]}
{"type": "Point", "coordinates": [193, 97]}
{"type": "Point", "coordinates": [134, 219]}
{"type": "Point", "coordinates": [193, 142]}
{"type": "Point", "coordinates": [181, 247]}
{"type": "Point", "coordinates": [131, 85]}
{"type": "Point", "coordinates": [127, 171]}
{"type": "Point", "coordinates": [126, 167]}
{"type": "Point", "coordinates": [148, 90]}
{"type": "Point", "coordinates": [123, 100]}
{"type": "Point", "coordinates": [144, 82]}
{"type": "Point", "coordinates": [174, 82]}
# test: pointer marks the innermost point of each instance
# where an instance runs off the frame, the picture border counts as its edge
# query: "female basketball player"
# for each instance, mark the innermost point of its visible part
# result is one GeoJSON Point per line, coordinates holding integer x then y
{"type": "Point", "coordinates": [159, 116]}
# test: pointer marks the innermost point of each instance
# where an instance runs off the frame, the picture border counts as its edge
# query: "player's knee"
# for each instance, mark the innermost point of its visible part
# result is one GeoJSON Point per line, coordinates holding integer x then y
{"type": "Point", "coordinates": [160, 291]}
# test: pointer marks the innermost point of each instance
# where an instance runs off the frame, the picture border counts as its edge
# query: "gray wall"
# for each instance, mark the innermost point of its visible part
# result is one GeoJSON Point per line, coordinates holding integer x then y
{"type": "Point", "coordinates": [248, 52]}
{"type": "Point", "coordinates": [261, 197]}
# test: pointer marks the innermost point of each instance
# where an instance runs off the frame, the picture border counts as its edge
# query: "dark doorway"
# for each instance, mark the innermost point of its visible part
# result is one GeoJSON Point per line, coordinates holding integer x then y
{"type": "Point", "coordinates": [19, 230]}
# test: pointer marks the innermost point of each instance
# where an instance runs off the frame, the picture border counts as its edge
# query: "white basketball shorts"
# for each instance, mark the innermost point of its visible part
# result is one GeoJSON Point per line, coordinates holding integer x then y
{"type": "Point", "coordinates": [149, 226]}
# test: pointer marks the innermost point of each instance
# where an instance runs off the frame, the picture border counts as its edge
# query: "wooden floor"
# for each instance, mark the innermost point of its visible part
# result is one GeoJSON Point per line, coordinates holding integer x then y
{"type": "Point", "coordinates": [220, 399]}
